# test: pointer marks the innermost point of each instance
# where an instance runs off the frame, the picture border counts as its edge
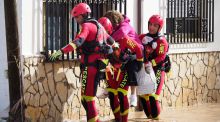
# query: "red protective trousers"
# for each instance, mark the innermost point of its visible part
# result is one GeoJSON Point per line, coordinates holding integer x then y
{"type": "Point", "coordinates": [117, 88]}
{"type": "Point", "coordinates": [90, 78]}
{"type": "Point", "coordinates": [150, 102]}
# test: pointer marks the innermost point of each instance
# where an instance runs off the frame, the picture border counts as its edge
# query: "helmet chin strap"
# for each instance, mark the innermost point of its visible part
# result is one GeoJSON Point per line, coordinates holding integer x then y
{"type": "Point", "coordinates": [86, 16]}
{"type": "Point", "coordinates": [156, 34]}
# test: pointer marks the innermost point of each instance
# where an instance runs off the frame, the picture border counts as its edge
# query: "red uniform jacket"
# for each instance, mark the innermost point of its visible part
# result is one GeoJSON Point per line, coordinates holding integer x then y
{"type": "Point", "coordinates": [126, 43]}
{"type": "Point", "coordinates": [156, 53]}
{"type": "Point", "coordinates": [86, 36]}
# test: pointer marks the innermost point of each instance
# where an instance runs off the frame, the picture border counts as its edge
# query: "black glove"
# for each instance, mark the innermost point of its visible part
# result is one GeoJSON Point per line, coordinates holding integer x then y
{"type": "Point", "coordinates": [139, 65]}
{"type": "Point", "coordinates": [122, 57]}
{"type": "Point", "coordinates": [106, 49]}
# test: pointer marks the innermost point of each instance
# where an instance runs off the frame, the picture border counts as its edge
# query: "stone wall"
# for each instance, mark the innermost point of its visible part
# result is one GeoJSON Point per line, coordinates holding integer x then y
{"type": "Point", "coordinates": [52, 90]}
{"type": "Point", "coordinates": [194, 79]}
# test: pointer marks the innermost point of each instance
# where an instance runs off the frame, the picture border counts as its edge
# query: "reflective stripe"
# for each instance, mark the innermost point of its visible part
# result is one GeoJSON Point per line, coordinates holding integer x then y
{"type": "Point", "coordinates": [106, 75]}
{"type": "Point", "coordinates": [119, 72]}
{"type": "Point", "coordinates": [155, 96]}
{"type": "Point", "coordinates": [156, 118]}
{"type": "Point", "coordinates": [131, 43]}
{"type": "Point", "coordinates": [105, 61]}
{"type": "Point", "coordinates": [153, 63]}
{"type": "Point", "coordinates": [140, 59]}
{"type": "Point", "coordinates": [117, 109]}
{"type": "Point", "coordinates": [73, 45]}
{"type": "Point", "coordinates": [125, 92]}
{"type": "Point", "coordinates": [93, 119]}
{"type": "Point", "coordinates": [125, 112]}
{"type": "Point", "coordinates": [88, 98]}
{"type": "Point", "coordinates": [114, 91]}
{"type": "Point", "coordinates": [161, 49]}
{"type": "Point", "coordinates": [146, 97]}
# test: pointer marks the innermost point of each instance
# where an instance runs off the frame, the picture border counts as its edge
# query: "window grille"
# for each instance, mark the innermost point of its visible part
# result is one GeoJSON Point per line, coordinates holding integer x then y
{"type": "Point", "coordinates": [190, 21]}
{"type": "Point", "coordinates": [59, 28]}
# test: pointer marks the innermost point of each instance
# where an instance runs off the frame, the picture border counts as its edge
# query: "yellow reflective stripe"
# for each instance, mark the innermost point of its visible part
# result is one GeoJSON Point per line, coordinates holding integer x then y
{"type": "Point", "coordinates": [153, 63]}
{"type": "Point", "coordinates": [93, 119]}
{"type": "Point", "coordinates": [119, 72]}
{"type": "Point", "coordinates": [106, 75]}
{"type": "Point", "coordinates": [146, 97]}
{"type": "Point", "coordinates": [125, 92]}
{"type": "Point", "coordinates": [88, 98]}
{"type": "Point", "coordinates": [161, 49]}
{"type": "Point", "coordinates": [105, 61]}
{"type": "Point", "coordinates": [73, 45]}
{"type": "Point", "coordinates": [114, 91]}
{"type": "Point", "coordinates": [155, 96]}
{"type": "Point", "coordinates": [141, 59]}
{"type": "Point", "coordinates": [117, 109]}
{"type": "Point", "coordinates": [125, 112]}
{"type": "Point", "coordinates": [131, 43]}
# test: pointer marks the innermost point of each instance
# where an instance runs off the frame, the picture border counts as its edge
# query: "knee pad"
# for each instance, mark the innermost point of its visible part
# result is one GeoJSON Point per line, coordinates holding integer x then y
{"type": "Point", "coordinates": [146, 105]}
{"type": "Point", "coordinates": [121, 95]}
{"type": "Point", "coordinates": [84, 104]}
{"type": "Point", "coordinates": [124, 105]}
{"type": "Point", "coordinates": [111, 99]}
{"type": "Point", "coordinates": [85, 100]}
{"type": "Point", "coordinates": [88, 103]}
{"type": "Point", "coordinates": [111, 95]}
{"type": "Point", "coordinates": [122, 91]}
{"type": "Point", "coordinates": [155, 108]}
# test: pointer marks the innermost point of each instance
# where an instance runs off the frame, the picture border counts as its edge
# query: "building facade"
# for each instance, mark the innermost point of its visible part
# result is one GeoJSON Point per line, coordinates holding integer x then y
{"type": "Point", "coordinates": [52, 90]}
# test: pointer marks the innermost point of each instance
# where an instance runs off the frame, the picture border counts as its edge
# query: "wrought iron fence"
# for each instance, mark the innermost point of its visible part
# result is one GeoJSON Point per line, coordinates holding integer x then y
{"type": "Point", "coordinates": [190, 21]}
{"type": "Point", "coordinates": [59, 28]}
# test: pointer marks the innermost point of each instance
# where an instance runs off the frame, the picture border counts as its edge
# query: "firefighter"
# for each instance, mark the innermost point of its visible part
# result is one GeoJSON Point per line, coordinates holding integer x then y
{"type": "Point", "coordinates": [90, 42]}
{"type": "Point", "coordinates": [116, 73]}
{"type": "Point", "coordinates": [121, 27]}
{"type": "Point", "coordinates": [155, 52]}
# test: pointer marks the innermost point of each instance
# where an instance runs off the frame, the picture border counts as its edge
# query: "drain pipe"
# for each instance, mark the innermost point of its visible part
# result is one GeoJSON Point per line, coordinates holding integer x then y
{"type": "Point", "coordinates": [139, 16]}
{"type": "Point", "coordinates": [13, 55]}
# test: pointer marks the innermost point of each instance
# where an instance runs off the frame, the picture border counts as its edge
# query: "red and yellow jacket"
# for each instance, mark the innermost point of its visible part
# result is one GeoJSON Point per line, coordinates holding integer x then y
{"type": "Point", "coordinates": [127, 43]}
{"type": "Point", "coordinates": [88, 40]}
{"type": "Point", "coordinates": [155, 50]}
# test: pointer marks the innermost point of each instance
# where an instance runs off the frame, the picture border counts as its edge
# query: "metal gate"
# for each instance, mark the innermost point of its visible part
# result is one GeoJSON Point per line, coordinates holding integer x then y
{"type": "Point", "coordinates": [190, 21]}
{"type": "Point", "coordinates": [60, 28]}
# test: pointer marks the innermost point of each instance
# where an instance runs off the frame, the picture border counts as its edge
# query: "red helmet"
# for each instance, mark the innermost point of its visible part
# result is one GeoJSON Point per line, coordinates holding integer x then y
{"type": "Point", "coordinates": [106, 23]}
{"type": "Point", "coordinates": [158, 20]}
{"type": "Point", "coordinates": [79, 9]}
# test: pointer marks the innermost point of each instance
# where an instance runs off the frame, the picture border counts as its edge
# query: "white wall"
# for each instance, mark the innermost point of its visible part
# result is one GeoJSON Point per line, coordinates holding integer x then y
{"type": "Point", "coordinates": [151, 7]}
{"type": "Point", "coordinates": [4, 87]}
{"type": "Point", "coordinates": [202, 47]}
{"type": "Point", "coordinates": [132, 13]}
{"type": "Point", "coordinates": [217, 26]}
{"type": "Point", "coordinates": [31, 24]}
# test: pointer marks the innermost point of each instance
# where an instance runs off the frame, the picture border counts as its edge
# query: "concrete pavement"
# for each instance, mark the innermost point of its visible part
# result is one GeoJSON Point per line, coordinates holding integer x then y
{"type": "Point", "coordinates": [199, 113]}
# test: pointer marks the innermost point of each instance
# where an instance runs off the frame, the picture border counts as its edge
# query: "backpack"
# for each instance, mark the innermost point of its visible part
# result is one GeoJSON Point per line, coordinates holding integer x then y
{"type": "Point", "coordinates": [167, 64]}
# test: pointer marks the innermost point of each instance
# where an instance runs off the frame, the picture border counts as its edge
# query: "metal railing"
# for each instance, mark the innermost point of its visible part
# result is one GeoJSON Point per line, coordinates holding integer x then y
{"type": "Point", "coordinates": [59, 28]}
{"type": "Point", "coordinates": [190, 21]}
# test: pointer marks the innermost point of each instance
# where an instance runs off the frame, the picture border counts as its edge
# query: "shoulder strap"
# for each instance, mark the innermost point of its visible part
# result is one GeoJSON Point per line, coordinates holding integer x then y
{"type": "Point", "coordinates": [94, 21]}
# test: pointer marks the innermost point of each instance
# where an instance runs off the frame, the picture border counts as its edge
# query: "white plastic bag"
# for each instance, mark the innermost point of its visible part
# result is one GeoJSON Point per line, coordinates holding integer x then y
{"type": "Point", "coordinates": [146, 82]}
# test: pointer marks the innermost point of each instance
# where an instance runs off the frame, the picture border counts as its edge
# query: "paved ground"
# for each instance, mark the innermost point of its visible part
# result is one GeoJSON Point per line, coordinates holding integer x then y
{"type": "Point", "coordinates": [199, 113]}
